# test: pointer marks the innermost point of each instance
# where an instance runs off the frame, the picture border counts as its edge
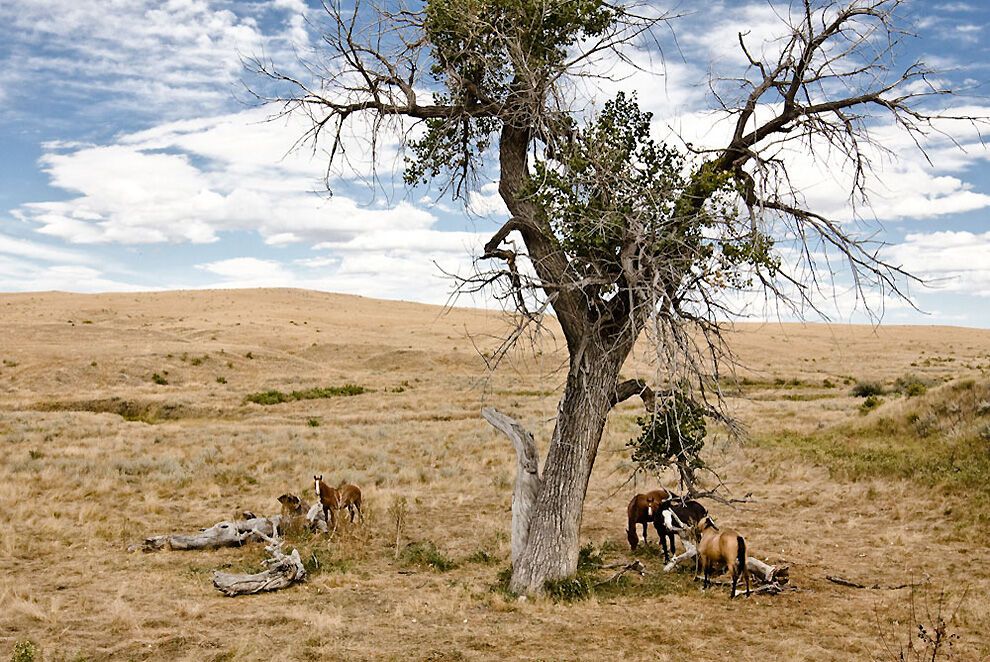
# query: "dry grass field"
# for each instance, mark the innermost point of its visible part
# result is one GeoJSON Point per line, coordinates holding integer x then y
{"type": "Point", "coordinates": [123, 416]}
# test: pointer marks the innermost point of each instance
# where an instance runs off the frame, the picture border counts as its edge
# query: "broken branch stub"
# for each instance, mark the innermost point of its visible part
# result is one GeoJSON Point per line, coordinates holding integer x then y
{"type": "Point", "coordinates": [528, 481]}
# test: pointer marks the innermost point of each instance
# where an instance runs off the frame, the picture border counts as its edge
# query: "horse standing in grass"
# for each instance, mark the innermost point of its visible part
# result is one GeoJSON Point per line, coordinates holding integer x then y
{"type": "Point", "coordinates": [333, 499]}
{"type": "Point", "coordinates": [718, 549]}
{"type": "Point", "coordinates": [643, 509]}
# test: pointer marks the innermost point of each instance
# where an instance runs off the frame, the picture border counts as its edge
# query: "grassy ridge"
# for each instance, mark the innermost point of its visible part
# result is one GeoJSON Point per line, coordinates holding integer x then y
{"type": "Point", "coordinates": [941, 439]}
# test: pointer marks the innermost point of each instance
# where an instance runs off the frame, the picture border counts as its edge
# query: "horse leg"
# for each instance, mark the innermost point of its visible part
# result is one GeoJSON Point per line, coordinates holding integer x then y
{"type": "Point", "coordinates": [735, 580]}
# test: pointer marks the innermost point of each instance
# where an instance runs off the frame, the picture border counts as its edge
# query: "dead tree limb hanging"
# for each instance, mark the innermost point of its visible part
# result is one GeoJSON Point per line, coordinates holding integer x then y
{"type": "Point", "coordinates": [528, 481]}
{"type": "Point", "coordinates": [283, 571]}
{"type": "Point", "coordinates": [221, 534]}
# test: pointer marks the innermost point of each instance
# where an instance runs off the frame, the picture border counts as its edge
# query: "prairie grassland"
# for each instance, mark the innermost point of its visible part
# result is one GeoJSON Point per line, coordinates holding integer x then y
{"type": "Point", "coordinates": [97, 453]}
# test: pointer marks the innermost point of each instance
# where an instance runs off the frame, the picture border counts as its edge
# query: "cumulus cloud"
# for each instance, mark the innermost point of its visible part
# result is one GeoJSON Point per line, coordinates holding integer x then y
{"type": "Point", "coordinates": [191, 180]}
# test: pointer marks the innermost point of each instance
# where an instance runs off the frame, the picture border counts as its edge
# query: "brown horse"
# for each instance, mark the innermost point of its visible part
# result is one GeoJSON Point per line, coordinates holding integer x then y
{"type": "Point", "coordinates": [643, 509]}
{"type": "Point", "coordinates": [333, 499]}
{"type": "Point", "coordinates": [721, 549]}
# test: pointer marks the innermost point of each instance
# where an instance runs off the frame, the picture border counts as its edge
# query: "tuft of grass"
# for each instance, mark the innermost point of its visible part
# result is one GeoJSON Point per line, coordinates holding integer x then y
{"type": "Point", "coordinates": [221, 379]}
{"type": "Point", "coordinates": [158, 379]}
{"type": "Point", "coordinates": [276, 397]}
{"type": "Point", "coordinates": [569, 589]}
{"type": "Point", "coordinates": [911, 385]}
{"type": "Point", "coordinates": [313, 422]}
{"type": "Point", "coordinates": [483, 557]}
{"type": "Point", "coordinates": [426, 554]}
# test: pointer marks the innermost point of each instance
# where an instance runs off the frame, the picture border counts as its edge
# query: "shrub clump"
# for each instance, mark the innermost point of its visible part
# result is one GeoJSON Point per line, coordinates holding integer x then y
{"type": "Point", "coordinates": [911, 385]}
{"type": "Point", "coordinates": [871, 403]}
{"type": "Point", "coordinates": [864, 389]}
{"type": "Point", "coordinates": [275, 397]}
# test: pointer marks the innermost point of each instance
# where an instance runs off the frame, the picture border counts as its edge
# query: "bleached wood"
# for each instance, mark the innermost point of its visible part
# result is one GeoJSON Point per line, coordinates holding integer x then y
{"type": "Point", "coordinates": [528, 481]}
{"type": "Point", "coordinates": [221, 534]}
{"type": "Point", "coordinates": [283, 571]}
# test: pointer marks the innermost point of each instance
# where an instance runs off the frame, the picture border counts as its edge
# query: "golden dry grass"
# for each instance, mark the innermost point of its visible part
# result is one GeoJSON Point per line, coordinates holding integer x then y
{"type": "Point", "coordinates": [77, 486]}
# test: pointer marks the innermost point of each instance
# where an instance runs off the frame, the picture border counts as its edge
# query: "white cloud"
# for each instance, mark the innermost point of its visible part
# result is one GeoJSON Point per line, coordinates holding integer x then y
{"type": "Point", "coordinates": [33, 250]}
{"type": "Point", "coordinates": [953, 261]}
{"type": "Point", "coordinates": [166, 58]}
{"type": "Point", "coordinates": [191, 180]}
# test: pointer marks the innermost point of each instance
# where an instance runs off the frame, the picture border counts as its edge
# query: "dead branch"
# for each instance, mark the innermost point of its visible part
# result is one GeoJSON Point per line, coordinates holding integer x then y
{"type": "Point", "coordinates": [878, 587]}
{"type": "Point", "coordinates": [283, 571]}
{"type": "Point", "coordinates": [635, 566]}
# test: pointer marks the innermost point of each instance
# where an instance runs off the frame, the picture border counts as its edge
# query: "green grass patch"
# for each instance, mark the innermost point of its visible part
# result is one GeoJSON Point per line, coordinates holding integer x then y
{"type": "Point", "coordinates": [275, 397]}
{"type": "Point", "coordinates": [426, 555]}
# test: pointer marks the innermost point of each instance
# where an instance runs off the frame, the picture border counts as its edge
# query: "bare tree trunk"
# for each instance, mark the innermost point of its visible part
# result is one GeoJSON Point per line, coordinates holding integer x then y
{"type": "Point", "coordinates": [528, 483]}
{"type": "Point", "coordinates": [552, 546]}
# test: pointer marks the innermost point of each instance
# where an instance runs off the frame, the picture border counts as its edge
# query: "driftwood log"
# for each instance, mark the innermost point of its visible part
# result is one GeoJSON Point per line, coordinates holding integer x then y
{"type": "Point", "coordinates": [528, 481]}
{"type": "Point", "coordinates": [283, 571]}
{"type": "Point", "coordinates": [222, 534]}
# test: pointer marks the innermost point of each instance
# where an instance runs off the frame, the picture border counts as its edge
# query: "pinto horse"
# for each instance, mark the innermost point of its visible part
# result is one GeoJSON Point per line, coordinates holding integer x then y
{"type": "Point", "coordinates": [643, 509]}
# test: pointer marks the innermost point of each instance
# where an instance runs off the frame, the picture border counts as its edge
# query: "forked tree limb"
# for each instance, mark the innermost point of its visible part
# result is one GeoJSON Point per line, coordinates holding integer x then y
{"type": "Point", "coordinates": [528, 481]}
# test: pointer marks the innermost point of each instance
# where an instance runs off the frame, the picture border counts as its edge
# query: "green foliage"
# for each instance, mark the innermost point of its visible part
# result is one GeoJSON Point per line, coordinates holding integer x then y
{"type": "Point", "coordinates": [25, 651]}
{"type": "Point", "coordinates": [426, 554]}
{"type": "Point", "coordinates": [313, 422]}
{"type": "Point", "coordinates": [158, 379]}
{"type": "Point", "coordinates": [275, 397]}
{"type": "Point", "coordinates": [871, 403]}
{"type": "Point", "coordinates": [477, 46]}
{"type": "Point", "coordinates": [568, 589]}
{"type": "Point", "coordinates": [673, 435]}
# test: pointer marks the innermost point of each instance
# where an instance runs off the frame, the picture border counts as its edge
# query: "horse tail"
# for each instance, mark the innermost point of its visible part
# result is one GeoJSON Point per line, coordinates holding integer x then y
{"type": "Point", "coordinates": [740, 555]}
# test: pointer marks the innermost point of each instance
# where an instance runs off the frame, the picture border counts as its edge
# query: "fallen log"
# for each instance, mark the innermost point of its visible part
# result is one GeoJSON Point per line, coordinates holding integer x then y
{"type": "Point", "coordinates": [880, 587]}
{"type": "Point", "coordinates": [283, 571]}
{"type": "Point", "coordinates": [221, 534]}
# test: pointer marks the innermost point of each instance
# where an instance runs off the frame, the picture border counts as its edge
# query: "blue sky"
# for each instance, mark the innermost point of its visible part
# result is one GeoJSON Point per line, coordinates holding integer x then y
{"type": "Point", "coordinates": [132, 160]}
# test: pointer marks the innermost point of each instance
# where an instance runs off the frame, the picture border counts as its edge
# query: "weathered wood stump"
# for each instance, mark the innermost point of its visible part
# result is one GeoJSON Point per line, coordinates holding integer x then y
{"type": "Point", "coordinates": [283, 571]}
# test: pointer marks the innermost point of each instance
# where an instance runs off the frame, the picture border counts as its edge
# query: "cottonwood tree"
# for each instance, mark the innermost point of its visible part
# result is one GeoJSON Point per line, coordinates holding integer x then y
{"type": "Point", "coordinates": [617, 234]}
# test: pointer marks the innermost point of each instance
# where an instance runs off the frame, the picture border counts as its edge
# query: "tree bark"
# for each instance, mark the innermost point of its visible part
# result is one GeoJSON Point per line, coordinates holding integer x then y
{"type": "Point", "coordinates": [528, 483]}
{"type": "Point", "coordinates": [552, 546]}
